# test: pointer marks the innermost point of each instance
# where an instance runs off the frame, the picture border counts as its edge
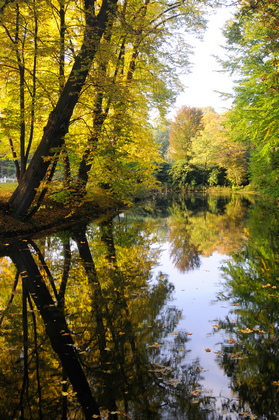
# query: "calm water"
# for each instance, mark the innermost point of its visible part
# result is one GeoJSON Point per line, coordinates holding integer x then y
{"type": "Point", "coordinates": [167, 311]}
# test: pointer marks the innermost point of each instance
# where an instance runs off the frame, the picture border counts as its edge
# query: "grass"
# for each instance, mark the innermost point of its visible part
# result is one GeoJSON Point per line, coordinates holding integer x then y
{"type": "Point", "coordinates": [6, 190]}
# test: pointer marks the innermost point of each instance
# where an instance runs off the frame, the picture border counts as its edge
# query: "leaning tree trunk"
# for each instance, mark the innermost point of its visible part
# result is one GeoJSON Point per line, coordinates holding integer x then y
{"type": "Point", "coordinates": [59, 119]}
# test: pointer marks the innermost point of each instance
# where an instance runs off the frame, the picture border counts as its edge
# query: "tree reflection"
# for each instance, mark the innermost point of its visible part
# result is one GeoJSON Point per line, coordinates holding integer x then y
{"type": "Point", "coordinates": [184, 251]}
{"type": "Point", "coordinates": [204, 226]}
{"type": "Point", "coordinates": [250, 355]}
{"type": "Point", "coordinates": [138, 367]}
{"type": "Point", "coordinates": [55, 324]}
{"type": "Point", "coordinates": [110, 331]}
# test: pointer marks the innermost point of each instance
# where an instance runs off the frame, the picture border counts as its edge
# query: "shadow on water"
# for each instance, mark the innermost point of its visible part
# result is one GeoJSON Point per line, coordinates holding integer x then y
{"type": "Point", "coordinates": [86, 331]}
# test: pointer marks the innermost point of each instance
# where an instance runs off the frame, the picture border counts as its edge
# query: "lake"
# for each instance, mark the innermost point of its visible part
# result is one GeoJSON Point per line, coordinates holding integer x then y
{"type": "Point", "coordinates": [169, 310]}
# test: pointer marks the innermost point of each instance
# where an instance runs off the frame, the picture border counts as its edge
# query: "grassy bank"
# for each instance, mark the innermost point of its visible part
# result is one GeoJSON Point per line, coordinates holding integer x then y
{"type": "Point", "coordinates": [6, 189]}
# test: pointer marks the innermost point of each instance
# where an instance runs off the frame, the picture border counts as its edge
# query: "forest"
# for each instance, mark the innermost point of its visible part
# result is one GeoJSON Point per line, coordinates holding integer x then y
{"type": "Point", "coordinates": [80, 84]}
{"type": "Point", "coordinates": [89, 322]}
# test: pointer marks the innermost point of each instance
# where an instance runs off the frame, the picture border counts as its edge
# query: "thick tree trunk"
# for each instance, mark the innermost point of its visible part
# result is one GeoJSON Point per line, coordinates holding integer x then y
{"type": "Point", "coordinates": [58, 122]}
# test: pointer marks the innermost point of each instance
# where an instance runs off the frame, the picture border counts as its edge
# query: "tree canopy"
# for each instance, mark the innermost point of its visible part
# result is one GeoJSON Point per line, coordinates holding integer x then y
{"type": "Point", "coordinates": [201, 150]}
{"type": "Point", "coordinates": [252, 45]}
{"type": "Point", "coordinates": [78, 81]}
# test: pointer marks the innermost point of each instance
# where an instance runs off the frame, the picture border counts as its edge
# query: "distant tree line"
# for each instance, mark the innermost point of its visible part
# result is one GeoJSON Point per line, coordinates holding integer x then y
{"type": "Point", "coordinates": [7, 169]}
{"type": "Point", "coordinates": [199, 152]}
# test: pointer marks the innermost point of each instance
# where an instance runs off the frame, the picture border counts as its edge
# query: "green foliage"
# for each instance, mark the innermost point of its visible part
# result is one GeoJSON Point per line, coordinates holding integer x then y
{"type": "Point", "coordinates": [161, 134]}
{"type": "Point", "coordinates": [7, 168]}
{"type": "Point", "coordinates": [214, 177]}
{"type": "Point", "coordinates": [130, 69]}
{"type": "Point", "coordinates": [185, 176]}
{"type": "Point", "coordinates": [253, 48]}
{"type": "Point", "coordinates": [184, 127]}
{"type": "Point", "coordinates": [63, 197]}
{"type": "Point", "coordinates": [163, 173]}
{"type": "Point", "coordinates": [211, 157]}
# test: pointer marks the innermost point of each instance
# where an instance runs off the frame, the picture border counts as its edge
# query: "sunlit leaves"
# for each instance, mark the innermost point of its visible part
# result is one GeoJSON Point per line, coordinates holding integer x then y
{"type": "Point", "coordinates": [185, 126]}
{"type": "Point", "coordinates": [253, 119]}
{"type": "Point", "coordinates": [204, 155]}
{"type": "Point", "coordinates": [135, 68]}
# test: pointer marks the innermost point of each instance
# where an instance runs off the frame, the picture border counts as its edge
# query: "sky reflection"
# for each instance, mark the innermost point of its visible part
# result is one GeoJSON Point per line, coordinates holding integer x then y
{"type": "Point", "coordinates": [195, 295]}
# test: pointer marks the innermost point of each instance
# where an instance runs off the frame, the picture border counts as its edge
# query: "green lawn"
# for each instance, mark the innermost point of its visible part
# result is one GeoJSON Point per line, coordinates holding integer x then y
{"type": "Point", "coordinates": [6, 188]}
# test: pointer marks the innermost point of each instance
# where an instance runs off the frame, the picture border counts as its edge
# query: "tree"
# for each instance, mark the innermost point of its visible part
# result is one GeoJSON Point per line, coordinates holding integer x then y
{"type": "Point", "coordinates": [207, 154]}
{"type": "Point", "coordinates": [21, 84]}
{"type": "Point", "coordinates": [59, 119]}
{"type": "Point", "coordinates": [205, 144]}
{"type": "Point", "coordinates": [111, 68]}
{"type": "Point", "coordinates": [186, 125]}
{"type": "Point", "coordinates": [212, 148]}
{"type": "Point", "coordinates": [252, 43]}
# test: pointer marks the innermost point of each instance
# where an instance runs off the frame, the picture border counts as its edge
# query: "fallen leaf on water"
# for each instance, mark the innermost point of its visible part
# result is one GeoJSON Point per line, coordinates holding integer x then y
{"type": "Point", "coordinates": [234, 355]}
{"type": "Point", "coordinates": [155, 345]}
{"type": "Point", "coordinates": [196, 392]}
{"type": "Point", "coordinates": [257, 329]}
{"type": "Point", "coordinates": [246, 331]}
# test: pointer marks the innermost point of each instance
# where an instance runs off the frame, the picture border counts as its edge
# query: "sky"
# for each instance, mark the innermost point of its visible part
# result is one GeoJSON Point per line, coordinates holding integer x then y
{"type": "Point", "coordinates": [204, 80]}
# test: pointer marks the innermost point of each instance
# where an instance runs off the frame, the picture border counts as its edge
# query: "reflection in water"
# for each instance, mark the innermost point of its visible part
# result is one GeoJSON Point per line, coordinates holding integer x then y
{"type": "Point", "coordinates": [250, 356]}
{"type": "Point", "coordinates": [88, 332]}
{"type": "Point", "coordinates": [217, 225]}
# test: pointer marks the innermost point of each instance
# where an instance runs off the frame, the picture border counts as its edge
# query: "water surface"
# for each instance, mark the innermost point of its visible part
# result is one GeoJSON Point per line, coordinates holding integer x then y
{"type": "Point", "coordinates": [167, 311]}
